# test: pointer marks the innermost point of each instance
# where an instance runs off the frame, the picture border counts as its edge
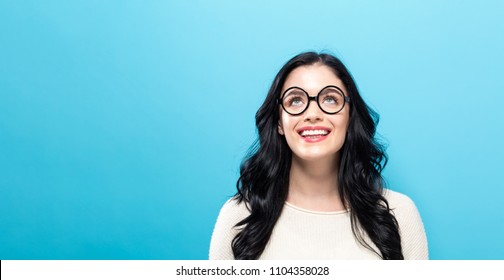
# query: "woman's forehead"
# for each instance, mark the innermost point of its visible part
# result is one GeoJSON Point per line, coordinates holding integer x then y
{"type": "Point", "coordinates": [312, 78]}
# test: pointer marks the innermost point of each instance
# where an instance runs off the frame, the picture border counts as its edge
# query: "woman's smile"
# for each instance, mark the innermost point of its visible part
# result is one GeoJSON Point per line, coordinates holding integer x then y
{"type": "Point", "coordinates": [313, 134]}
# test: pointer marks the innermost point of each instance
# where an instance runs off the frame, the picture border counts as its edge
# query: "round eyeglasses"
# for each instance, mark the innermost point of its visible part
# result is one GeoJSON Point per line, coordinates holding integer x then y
{"type": "Point", "coordinates": [330, 100]}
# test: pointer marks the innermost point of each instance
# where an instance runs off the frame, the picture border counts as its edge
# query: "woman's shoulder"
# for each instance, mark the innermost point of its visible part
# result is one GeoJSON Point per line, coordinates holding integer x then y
{"type": "Point", "coordinates": [401, 206]}
{"type": "Point", "coordinates": [397, 200]}
{"type": "Point", "coordinates": [232, 212]}
{"type": "Point", "coordinates": [234, 209]}
{"type": "Point", "coordinates": [411, 228]}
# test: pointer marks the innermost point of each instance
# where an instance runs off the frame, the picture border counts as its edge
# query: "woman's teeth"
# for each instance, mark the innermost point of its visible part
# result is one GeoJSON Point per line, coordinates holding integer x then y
{"type": "Point", "coordinates": [314, 132]}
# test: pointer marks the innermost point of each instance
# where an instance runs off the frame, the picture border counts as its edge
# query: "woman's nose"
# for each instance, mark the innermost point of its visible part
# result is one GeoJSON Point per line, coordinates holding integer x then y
{"type": "Point", "coordinates": [313, 112]}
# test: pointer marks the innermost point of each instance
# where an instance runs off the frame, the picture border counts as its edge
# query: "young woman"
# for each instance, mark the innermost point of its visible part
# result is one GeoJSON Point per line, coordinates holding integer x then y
{"type": "Point", "coordinates": [311, 187]}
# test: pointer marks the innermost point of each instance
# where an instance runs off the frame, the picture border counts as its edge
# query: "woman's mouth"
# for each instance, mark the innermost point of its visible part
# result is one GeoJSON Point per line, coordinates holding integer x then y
{"type": "Point", "coordinates": [314, 134]}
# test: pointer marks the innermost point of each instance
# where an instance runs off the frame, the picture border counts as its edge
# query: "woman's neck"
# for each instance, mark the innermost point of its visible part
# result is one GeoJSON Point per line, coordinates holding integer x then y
{"type": "Point", "coordinates": [313, 185]}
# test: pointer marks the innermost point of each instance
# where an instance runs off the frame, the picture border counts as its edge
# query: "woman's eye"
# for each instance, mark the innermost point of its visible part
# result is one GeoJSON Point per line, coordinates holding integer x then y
{"type": "Point", "coordinates": [296, 101]}
{"type": "Point", "coordinates": [331, 100]}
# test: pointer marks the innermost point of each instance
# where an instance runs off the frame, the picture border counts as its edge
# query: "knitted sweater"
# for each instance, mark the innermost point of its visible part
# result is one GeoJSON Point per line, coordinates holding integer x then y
{"type": "Point", "coordinates": [306, 234]}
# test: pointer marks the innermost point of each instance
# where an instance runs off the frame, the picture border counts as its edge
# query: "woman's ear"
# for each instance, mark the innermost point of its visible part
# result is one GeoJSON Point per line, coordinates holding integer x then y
{"type": "Point", "coordinates": [280, 129]}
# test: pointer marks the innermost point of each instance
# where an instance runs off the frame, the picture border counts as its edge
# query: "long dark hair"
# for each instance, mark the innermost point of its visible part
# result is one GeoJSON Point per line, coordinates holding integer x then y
{"type": "Point", "coordinates": [264, 173]}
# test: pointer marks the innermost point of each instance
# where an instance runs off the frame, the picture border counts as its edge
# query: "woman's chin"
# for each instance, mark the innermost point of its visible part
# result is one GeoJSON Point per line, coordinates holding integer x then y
{"type": "Point", "coordinates": [314, 156]}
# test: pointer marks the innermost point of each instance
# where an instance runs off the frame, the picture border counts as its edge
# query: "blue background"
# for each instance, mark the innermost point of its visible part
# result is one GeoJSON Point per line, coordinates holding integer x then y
{"type": "Point", "coordinates": [123, 123]}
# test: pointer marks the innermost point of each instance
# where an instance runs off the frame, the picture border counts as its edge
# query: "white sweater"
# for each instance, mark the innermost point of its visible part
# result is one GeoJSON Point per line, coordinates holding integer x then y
{"type": "Point", "coordinates": [305, 234]}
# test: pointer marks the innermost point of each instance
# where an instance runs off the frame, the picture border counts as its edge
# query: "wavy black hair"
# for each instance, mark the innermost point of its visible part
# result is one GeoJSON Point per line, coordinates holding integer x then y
{"type": "Point", "coordinates": [264, 173]}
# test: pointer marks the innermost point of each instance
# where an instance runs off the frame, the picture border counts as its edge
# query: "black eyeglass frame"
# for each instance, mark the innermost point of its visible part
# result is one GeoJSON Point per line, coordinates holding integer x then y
{"type": "Point", "coordinates": [346, 99]}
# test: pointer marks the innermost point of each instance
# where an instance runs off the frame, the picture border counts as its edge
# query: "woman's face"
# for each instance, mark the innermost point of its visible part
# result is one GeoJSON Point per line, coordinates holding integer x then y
{"type": "Point", "coordinates": [314, 134]}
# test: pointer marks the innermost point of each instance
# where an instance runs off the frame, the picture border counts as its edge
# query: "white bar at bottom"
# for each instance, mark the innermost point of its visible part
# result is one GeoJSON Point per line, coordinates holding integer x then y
{"type": "Point", "coordinates": [260, 270]}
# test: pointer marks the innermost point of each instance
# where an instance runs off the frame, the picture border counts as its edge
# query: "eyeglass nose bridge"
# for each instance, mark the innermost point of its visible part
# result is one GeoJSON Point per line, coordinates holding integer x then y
{"type": "Point", "coordinates": [313, 98]}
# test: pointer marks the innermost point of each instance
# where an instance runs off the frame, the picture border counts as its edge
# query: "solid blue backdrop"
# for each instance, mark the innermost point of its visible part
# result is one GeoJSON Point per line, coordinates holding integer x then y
{"type": "Point", "coordinates": [123, 123]}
